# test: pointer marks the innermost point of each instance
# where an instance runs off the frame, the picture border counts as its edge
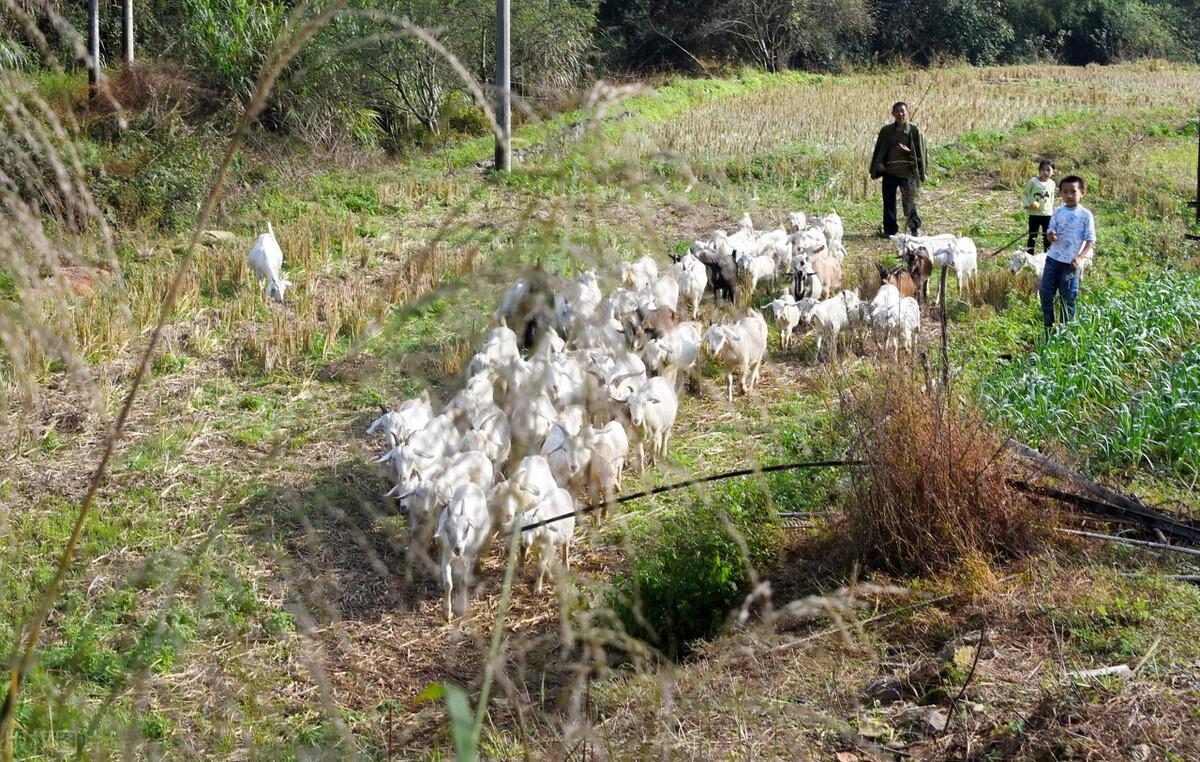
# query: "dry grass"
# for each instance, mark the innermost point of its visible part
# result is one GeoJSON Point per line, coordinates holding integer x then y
{"type": "Point", "coordinates": [934, 493]}
{"type": "Point", "coordinates": [840, 115]}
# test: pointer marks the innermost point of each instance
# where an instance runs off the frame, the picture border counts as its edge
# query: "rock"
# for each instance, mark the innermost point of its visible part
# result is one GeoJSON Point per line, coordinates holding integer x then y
{"type": "Point", "coordinates": [885, 690]}
{"type": "Point", "coordinates": [846, 756]}
{"type": "Point", "coordinates": [926, 720]}
{"type": "Point", "coordinates": [217, 236]}
{"type": "Point", "coordinates": [953, 648]}
{"type": "Point", "coordinates": [1140, 753]}
{"type": "Point", "coordinates": [871, 726]}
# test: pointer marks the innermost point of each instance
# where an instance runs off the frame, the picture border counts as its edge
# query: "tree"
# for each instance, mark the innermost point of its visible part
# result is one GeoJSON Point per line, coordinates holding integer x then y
{"type": "Point", "coordinates": [766, 31]}
{"type": "Point", "coordinates": [777, 34]}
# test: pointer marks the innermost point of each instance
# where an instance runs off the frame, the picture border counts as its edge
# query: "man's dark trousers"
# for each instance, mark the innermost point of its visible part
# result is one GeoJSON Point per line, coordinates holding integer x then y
{"type": "Point", "coordinates": [908, 193]}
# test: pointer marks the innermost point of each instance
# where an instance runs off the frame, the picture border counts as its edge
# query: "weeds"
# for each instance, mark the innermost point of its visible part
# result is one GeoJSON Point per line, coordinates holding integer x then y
{"type": "Point", "coordinates": [934, 493]}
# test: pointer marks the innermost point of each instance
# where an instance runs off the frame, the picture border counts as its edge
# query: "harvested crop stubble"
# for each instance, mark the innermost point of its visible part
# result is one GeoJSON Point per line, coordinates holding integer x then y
{"type": "Point", "coordinates": [934, 492]}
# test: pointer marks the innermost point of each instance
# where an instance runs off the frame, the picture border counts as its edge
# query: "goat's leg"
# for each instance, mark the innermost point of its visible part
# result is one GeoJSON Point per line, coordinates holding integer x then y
{"type": "Point", "coordinates": [729, 384]}
{"type": "Point", "coordinates": [447, 589]}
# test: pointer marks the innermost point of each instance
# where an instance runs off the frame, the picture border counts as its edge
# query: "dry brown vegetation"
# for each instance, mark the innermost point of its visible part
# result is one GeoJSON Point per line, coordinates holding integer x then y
{"type": "Point", "coordinates": [934, 493]}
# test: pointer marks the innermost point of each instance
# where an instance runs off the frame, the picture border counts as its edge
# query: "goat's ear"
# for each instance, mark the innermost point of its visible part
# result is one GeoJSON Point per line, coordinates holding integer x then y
{"type": "Point", "coordinates": [883, 273]}
{"type": "Point", "coordinates": [383, 409]}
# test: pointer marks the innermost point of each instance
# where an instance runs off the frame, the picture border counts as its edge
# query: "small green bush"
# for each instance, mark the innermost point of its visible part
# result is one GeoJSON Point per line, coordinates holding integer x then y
{"type": "Point", "coordinates": [462, 117]}
{"type": "Point", "coordinates": [685, 584]}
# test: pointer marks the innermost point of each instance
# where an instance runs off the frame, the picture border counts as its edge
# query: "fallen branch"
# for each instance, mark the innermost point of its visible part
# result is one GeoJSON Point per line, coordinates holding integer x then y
{"type": "Point", "coordinates": [1127, 541]}
{"type": "Point", "coordinates": [1103, 501]}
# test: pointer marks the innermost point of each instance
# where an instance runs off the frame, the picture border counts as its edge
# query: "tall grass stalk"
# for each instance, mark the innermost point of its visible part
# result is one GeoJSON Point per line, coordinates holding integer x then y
{"type": "Point", "coordinates": [33, 628]}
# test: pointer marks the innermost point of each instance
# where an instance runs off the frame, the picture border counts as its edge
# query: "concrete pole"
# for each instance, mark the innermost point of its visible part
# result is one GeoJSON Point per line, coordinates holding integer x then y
{"type": "Point", "coordinates": [93, 42]}
{"type": "Point", "coordinates": [127, 32]}
{"type": "Point", "coordinates": [503, 89]}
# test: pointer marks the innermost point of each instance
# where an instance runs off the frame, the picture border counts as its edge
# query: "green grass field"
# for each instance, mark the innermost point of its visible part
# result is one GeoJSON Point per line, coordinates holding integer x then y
{"type": "Point", "coordinates": [239, 594]}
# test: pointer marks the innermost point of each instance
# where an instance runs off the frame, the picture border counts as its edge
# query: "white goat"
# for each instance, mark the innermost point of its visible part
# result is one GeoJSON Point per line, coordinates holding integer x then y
{"type": "Point", "coordinates": [608, 448]}
{"type": "Point", "coordinates": [397, 426]}
{"type": "Point", "coordinates": [462, 529]}
{"type": "Point", "coordinates": [751, 269]}
{"type": "Point", "coordinates": [490, 435]}
{"type": "Point", "coordinates": [831, 317]}
{"type": "Point", "coordinates": [564, 451]}
{"type": "Point", "coordinates": [896, 324]}
{"type": "Point", "coordinates": [531, 480]}
{"type": "Point", "coordinates": [425, 452]}
{"type": "Point", "coordinates": [530, 421]}
{"type": "Point", "coordinates": [652, 411]}
{"type": "Point", "coordinates": [665, 293]}
{"type": "Point", "coordinates": [787, 316]}
{"type": "Point", "coordinates": [640, 274]}
{"type": "Point", "coordinates": [965, 261]}
{"type": "Point", "coordinates": [266, 259]}
{"type": "Point", "coordinates": [809, 241]}
{"type": "Point", "coordinates": [798, 221]}
{"type": "Point", "coordinates": [831, 227]}
{"type": "Point", "coordinates": [553, 540]}
{"type": "Point", "coordinates": [678, 350]}
{"type": "Point", "coordinates": [692, 278]}
{"type": "Point", "coordinates": [739, 346]}
{"type": "Point", "coordinates": [1035, 264]}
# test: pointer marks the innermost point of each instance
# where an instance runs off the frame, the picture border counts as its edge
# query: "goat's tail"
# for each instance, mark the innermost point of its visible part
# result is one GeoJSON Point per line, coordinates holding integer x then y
{"type": "Point", "coordinates": [270, 229]}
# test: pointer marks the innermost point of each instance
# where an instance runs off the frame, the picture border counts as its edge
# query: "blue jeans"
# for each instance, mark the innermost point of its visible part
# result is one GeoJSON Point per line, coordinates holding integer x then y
{"type": "Point", "coordinates": [1058, 278]}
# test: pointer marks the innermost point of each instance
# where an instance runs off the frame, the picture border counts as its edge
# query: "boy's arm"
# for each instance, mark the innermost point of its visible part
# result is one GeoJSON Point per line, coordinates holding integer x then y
{"type": "Point", "coordinates": [1089, 243]}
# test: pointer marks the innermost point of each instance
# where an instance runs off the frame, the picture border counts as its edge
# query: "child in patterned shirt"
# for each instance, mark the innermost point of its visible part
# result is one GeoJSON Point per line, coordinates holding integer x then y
{"type": "Point", "coordinates": [1072, 233]}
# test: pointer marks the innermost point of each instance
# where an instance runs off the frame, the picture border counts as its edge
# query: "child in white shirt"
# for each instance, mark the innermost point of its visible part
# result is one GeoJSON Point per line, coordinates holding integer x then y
{"type": "Point", "coordinates": [1072, 234]}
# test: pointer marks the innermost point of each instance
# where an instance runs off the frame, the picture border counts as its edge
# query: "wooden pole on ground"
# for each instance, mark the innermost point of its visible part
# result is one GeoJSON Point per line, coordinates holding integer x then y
{"type": "Point", "coordinates": [945, 334]}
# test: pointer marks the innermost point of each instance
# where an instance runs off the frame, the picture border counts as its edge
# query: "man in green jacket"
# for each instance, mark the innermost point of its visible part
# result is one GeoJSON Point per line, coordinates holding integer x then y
{"type": "Point", "coordinates": [899, 158]}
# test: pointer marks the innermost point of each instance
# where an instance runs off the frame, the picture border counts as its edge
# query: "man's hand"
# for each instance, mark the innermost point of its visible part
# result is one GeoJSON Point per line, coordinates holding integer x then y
{"type": "Point", "coordinates": [1052, 236]}
{"type": "Point", "coordinates": [1032, 207]}
{"type": "Point", "coordinates": [904, 148]}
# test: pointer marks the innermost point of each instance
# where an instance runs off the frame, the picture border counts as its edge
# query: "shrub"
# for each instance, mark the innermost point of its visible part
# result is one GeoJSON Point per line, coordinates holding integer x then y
{"type": "Point", "coordinates": [934, 493]}
{"type": "Point", "coordinates": [683, 587]}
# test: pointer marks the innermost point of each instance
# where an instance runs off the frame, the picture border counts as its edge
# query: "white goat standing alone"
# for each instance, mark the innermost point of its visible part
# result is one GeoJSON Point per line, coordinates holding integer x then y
{"type": "Point", "coordinates": [266, 259]}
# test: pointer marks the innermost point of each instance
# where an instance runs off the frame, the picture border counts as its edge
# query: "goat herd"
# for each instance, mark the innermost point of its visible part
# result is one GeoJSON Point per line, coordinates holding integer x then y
{"type": "Point", "coordinates": [546, 419]}
{"type": "Point", "coordinates": [550, 411]}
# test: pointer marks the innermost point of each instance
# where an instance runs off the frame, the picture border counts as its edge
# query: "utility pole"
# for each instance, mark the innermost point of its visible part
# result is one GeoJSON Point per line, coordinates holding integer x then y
{"type": "Point", "coordinates": [127, 32]}
{"type": "Point", "coordinates": [503, 89]}
{"type": "Point", "coordinates": [1195, 203]}
{"type": "Point", "coordinates": [93, 42]}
